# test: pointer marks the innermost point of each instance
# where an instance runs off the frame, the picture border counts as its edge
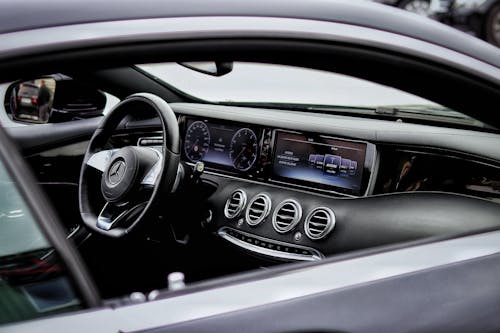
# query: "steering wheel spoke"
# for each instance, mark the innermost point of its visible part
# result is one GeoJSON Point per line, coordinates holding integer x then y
{"type": "Point", "coordinates": [112, 215]}
{"type": "Point", "coordinates": [101, 159]}
{"type": "Point", "coordinates": [153, 173]}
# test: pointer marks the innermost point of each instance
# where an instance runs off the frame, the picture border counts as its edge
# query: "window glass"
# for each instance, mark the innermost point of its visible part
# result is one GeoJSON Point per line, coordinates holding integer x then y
{"type": "Point", "coordinates": [33, 280]}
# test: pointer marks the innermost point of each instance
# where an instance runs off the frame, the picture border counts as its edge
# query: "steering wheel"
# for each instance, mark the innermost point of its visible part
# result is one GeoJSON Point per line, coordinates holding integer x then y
{"type": "Point", "coordinates": [132, 178]}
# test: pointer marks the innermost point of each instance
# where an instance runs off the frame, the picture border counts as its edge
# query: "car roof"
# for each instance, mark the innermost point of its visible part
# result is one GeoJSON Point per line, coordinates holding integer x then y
{"type": "Point", "coordinates": [18, 15]}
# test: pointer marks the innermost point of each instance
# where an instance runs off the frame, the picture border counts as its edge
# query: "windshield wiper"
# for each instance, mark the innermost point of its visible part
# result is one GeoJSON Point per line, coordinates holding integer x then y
{"type": "Point", "coordinates": [430, 113]}
{"type": "Point", "coordinates": [418, 110]}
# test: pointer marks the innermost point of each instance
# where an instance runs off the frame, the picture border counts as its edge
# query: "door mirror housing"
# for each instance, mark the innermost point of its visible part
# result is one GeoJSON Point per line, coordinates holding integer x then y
{"type": "Point", "coordinates": [53, 99]}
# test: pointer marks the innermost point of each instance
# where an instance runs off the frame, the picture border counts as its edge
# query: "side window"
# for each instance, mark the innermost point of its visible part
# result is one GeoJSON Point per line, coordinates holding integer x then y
{"type": "Point", "coordinates": [33, 280]}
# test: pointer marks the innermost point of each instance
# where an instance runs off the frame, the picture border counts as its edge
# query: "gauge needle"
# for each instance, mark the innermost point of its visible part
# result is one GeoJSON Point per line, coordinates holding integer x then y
{"type": "Point", "coordinates": [241, 152]}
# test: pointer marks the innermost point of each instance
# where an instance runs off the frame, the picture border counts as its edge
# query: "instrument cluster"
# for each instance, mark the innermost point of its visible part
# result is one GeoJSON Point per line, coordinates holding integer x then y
{"type": "Point", "coordinates": [234, 148]}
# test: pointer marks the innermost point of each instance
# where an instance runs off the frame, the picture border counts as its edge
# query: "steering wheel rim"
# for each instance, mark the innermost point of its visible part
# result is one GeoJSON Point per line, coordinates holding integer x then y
{"type": "Point", "coordinates": [161, 175]}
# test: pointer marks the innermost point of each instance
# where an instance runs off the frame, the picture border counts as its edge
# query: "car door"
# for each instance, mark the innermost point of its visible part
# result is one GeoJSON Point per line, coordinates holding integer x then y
{"type": "Point", "coordinates": [40, 272]}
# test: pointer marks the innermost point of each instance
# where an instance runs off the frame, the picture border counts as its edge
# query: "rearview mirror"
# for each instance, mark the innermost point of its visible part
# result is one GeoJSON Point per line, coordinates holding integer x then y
{"type": "Point", "coordinates": [213, 68]}
{"type": "Point", "coordinates": [31, 101]}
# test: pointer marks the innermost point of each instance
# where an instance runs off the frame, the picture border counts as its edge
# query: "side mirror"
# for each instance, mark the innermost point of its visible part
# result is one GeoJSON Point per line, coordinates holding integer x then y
{"type": "Point", "coordinates": [31, 101]}
{"type": "Point", "coordinates": [213, 68]}
{"type": "Point", "coordinates": [54, 99]}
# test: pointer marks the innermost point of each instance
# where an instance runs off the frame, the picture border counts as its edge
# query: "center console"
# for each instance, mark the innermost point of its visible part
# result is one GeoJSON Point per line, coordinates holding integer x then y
{"type": "Point", "coordinates": [274, 186]}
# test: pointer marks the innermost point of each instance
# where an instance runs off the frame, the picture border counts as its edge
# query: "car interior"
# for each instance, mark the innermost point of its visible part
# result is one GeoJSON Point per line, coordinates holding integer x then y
{"type": "Point", "coordinates": [154, 167]}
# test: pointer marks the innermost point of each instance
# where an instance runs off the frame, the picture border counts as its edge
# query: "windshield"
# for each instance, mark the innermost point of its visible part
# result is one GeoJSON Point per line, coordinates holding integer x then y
{"type": "Point", "coordinates": [257, 83]}
{"type": "Point", "coordinates": [252, 82]}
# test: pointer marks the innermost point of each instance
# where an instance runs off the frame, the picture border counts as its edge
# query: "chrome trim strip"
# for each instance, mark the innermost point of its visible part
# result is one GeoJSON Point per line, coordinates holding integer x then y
{"type": "Point", "coordinates": [26, 42]}
{"type": "Point", "coordinates": [283, 287]}
{"type": "Point", "coordinates": [143, 138]}
{"type": "Point", "coordinates": [268, 252]}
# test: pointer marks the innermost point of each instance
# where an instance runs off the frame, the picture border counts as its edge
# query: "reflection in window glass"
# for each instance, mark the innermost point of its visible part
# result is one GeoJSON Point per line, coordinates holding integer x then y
{"type": "Point", "coordinates": [18, 231]}
{"type": "Point", "coordinates": [33, 280]}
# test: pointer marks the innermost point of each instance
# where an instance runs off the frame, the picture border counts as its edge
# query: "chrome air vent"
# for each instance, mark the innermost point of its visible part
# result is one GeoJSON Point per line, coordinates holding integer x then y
{"type": "Point", "coordinates": [235, 204]}
{"type": "Point", "coordinates": [258, 209]}
{"type": "Point", "coordinates": [286, 216]}
{"type": "Point", "coordinates": [319, 222]}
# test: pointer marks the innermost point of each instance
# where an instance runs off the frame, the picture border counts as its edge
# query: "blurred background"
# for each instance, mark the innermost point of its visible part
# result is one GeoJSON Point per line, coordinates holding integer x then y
{"type": "Point", "coordinates": [480, 18]}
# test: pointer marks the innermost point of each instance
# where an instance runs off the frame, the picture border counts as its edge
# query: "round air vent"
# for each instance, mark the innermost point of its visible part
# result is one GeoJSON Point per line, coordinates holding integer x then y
{"type": "Point", "coordinates": [286, 216]}
{"type": "Point", "coordinates": [258, 209]}
{"type": "Point", "coordinates": [319, 222]}
{"type": "Point", "coordinates": [235, 204]}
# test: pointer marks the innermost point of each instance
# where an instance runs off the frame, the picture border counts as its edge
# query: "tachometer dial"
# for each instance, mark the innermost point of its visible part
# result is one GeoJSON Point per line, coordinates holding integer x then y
{"type": "Point", "coordinates": [243, 150]}
{"type": "Point", "coordinates": [197, 141]}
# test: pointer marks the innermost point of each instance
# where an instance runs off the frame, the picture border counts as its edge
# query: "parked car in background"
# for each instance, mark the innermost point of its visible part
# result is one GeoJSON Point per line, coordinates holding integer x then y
{"type": "Point", "coordinates": [481, 17]}
{"type": "Point", "coordinates": [478, 17]}
{"type": "Point", "coordinates": [421, 7]}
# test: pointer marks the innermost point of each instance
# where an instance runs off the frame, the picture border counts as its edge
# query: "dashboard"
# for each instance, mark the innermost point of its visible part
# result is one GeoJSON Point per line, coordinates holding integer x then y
{"type": "Point", "coordinates": [279, 184]}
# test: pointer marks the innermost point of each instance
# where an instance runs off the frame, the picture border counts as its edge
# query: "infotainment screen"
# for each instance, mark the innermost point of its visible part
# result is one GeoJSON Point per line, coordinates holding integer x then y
{"type": "Point", "coordinates": [323, 161]}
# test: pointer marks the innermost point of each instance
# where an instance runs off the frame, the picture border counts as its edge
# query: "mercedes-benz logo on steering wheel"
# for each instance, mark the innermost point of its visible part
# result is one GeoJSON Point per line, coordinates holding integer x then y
{"type": "Point", "coordinates": [116, 172]}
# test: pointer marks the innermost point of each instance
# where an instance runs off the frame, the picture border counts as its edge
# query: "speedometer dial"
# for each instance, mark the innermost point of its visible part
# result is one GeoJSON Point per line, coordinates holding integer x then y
{"type": "Point", "coordinates": [197, 141]}
{"type": "Point", "coordinates": [243, 150]}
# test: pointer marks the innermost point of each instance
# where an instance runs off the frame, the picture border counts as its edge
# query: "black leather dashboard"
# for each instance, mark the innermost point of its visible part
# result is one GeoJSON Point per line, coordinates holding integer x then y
{"type": "Point", "coordinates": [285, 219]}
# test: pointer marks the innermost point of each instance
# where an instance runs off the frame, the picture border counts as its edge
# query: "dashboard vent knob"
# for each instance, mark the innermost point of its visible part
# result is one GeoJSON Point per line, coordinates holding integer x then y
{"type": "Point", "coordinates": [286, 216]}
{"type": "Point", "coordinates": [235, 204]}
{"type": "Point", "coordinates": [258, 209]}
{"type": "Point", "coordinates": [319, 223]}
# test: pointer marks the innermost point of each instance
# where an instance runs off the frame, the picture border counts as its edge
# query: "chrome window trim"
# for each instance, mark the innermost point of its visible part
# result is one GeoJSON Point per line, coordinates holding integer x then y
{"type": "Point", "coordinates": [26, 42]}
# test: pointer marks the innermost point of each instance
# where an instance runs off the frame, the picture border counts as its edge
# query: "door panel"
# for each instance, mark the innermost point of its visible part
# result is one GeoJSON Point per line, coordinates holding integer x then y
{"type": "Point", "coordinates": [462, 297]}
